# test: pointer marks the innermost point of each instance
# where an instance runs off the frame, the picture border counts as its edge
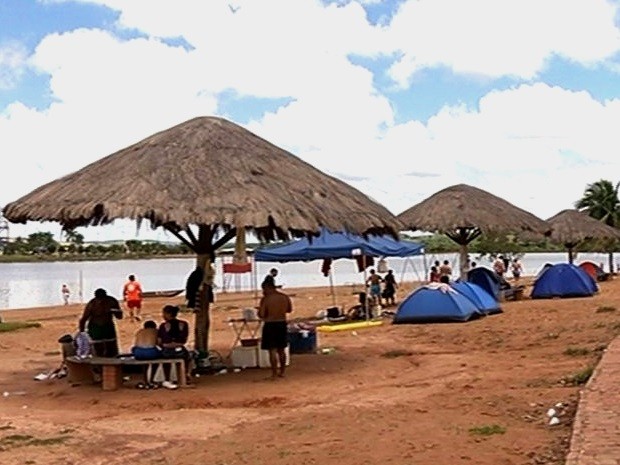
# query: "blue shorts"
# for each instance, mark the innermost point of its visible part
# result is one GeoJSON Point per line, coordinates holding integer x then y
{"type": "Point", "coordinates": [145, 353]}
{"type": "Point", "coordinates": [375, 289]}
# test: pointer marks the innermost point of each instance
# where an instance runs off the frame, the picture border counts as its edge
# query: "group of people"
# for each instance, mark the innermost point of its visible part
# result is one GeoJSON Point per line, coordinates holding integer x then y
{"type": "Point", "coordinates": [440, 272]}
{"type": "Point", "coordinates": [152, 341]}
{"type": "Point", "coordinates": [382, 288]}
{"type": "Point", "coordinates": [502, 264]}
{"type": "Point", "coordinates": [169, 338]}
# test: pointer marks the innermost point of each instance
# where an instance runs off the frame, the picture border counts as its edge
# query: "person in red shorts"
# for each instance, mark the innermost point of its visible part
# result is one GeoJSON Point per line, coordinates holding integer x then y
{"type": "Point", "coordinates": [132, 293]}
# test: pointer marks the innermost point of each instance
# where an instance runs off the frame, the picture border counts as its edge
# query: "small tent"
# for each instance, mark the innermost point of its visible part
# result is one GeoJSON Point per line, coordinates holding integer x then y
{"type": "Point", "coordinates": [594, 270]}
{"type": "Point", "coordinates": [542, 269]}
{"type": "Point", "coordinates": [564, 280]}
{"type": "Point", "coordinates": [435, 303]}
{"type": "Point", "coordinates": [487, 279]}
{"type": "Point", "coordinates": [484, 301]}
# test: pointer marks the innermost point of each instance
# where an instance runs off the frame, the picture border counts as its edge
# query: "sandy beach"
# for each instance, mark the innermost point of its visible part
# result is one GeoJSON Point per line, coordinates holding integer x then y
{"type": "Point", "coordinates": [461, 393]}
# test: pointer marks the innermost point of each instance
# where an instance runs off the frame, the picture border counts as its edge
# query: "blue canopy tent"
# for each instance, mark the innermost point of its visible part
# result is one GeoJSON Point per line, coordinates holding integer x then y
{"type": "Point", "coordinates": [335, 245]}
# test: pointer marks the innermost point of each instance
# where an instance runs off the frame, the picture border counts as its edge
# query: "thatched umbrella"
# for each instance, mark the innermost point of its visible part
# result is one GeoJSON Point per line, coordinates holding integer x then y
{"type": "Point", "coordinates": [212, 174]}
{"type": "Point", "coordinates": [463, 213]}
{"type": "Point", "coordinates": [571, 227]}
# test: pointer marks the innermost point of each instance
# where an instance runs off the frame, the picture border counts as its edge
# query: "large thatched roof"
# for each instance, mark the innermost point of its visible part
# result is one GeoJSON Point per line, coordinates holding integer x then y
{"type": "Point", "coordinates": [206, 171]}
{"type": "Point", "coordinates": [570, 227]}
{"type": "Point", "coordinates": [466, 208]}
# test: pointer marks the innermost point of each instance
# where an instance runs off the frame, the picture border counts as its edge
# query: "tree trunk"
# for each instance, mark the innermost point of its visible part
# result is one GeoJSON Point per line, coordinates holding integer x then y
{"type": "Point", "coordinates": [463, 262]}
{"type": "Point", "coordinates": [611, 263]}
{"type": "Point", "coordinates": [571, 258]}
{"type": "Point", "coordinates": [202, 319]}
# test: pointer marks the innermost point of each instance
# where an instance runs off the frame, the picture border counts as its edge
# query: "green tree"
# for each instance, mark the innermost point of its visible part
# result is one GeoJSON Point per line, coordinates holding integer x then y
{"type": "Point", "coordinates": [42, 242]}
{"type": "Point", "coordinates": [600, 200]}
{"type": "Point", "coordinates": [73, 237]}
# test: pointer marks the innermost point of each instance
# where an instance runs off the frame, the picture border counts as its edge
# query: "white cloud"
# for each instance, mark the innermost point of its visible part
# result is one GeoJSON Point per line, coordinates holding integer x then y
{"type": "Point", "coordinates": [495, 39]}
{"type": "Point", "coordinates": [535, 145]}
{"type": "Point", "coordinates": [13, 56]}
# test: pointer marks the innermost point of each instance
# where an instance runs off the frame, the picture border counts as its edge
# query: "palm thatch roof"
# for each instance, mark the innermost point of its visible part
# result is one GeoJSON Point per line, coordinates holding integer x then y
{"type": "Point", "coordinates": [464, 212]}
{"type": "Point", "coordinates": [461, 208]}
{"type": "Point", "coordinates": [570, 227]}
{"type": "Point", "coordinates": [206, 171]}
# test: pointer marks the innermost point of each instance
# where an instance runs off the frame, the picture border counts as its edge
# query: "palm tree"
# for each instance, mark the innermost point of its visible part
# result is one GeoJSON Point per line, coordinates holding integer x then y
{"type": "Point", "coordinates": [600, 200]}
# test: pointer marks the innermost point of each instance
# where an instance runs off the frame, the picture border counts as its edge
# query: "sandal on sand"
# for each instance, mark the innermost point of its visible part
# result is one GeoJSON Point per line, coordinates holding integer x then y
{"type": "Point", "coordinates": [140, 386]}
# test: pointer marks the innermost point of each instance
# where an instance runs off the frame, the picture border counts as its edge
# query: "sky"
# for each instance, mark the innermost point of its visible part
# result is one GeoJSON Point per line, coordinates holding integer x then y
{"type": "Point", "coordinates": [398, 98]}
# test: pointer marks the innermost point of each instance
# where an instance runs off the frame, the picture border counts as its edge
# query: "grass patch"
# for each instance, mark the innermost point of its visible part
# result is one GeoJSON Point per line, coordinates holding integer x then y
{"type": "Point", "coordinates": [397, 353]}
{"type": "Point", "coordinates": [580, 378]}
{"type": "Point", "coordinates": [17, 325]}
{"type": "Point", "coordinates": [48, 441]}
{"type": "Point", "coordinates": [487, 430]}
{"type": "Point", "coordinates": [605, 309]}
{"type": "Point", "coordinates": [17, 440]}
{"type": "Point", "coordinates": [576, 351]}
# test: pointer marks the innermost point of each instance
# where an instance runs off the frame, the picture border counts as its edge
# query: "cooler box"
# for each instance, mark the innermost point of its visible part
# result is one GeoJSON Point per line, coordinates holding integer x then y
{"type": "Point", "coordinates": [263, 357]}
{"type": "Point", "coordinates": [302, 342]}
{"type": "Point", "coordinates": [245, 357]}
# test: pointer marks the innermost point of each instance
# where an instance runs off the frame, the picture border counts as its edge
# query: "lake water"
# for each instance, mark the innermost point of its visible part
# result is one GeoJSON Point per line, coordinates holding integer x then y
{"type": "Point", "coordinates": [25, 285]}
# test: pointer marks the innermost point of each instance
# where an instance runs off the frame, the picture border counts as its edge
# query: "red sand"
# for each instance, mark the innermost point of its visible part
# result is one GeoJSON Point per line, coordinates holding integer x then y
{"type": "Point", "coordinates": [356, 405]}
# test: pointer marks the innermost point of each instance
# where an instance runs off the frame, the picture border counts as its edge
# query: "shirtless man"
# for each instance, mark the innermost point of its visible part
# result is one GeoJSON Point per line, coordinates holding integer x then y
{"type": "Point", "coordinates": [145, 348]}
{"type": "Point", "coordinates": [374, 280]}
{"type": "Point", "coordinates": [273, 309]}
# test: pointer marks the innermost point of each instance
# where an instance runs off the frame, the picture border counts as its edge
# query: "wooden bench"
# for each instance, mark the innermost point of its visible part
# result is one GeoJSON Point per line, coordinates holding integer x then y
{"type": "Point", "coordinates": [80, 369]}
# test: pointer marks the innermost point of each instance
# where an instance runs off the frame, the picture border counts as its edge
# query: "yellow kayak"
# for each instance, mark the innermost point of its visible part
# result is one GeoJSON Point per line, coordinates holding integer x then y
{"type": "Point", "coordinates": [348, 326]}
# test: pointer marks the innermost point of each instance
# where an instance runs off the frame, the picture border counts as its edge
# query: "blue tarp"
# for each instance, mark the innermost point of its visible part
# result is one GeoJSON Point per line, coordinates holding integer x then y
{"type": "Point", "coordinates": [337, 245]}
{"type": "Point", "coordinates": [430, 304]}
{"type": "Point", "coordinates": [564, 280]}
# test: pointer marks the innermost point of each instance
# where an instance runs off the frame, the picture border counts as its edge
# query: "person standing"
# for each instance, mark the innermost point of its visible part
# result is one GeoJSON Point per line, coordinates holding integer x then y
{"type": "Point", "coordinates": [270, 279]}
{"type": "Point", "coordinates": [389, 288]}
{"type": "Point", "coordinates": [273, 309]}
{"type": "Point", "coordinates": [66, 293]}
{"type": "Point", "coordinates": [517, 269]}
{"type": "Point", "coordinates": [499, 267]}
{"type": "Point", "coordinates": [374, 281]}
{"type": "Point", "coordinates": [445, 270]}
{"type": "Point", "coordinates": [98, 321]}
{"type": "Point", "coordinates": [132, 293]}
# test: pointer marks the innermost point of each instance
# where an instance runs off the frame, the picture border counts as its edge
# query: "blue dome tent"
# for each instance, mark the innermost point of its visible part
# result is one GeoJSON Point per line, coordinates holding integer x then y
{"type": "Point", "coordinates": [486, 279]}
{"type": "Point", "coordinates": [564, 280]}
{"type": "Point", "coordinates": [484, 301]}
{"type": "Point", "coordinates": [435, 304]}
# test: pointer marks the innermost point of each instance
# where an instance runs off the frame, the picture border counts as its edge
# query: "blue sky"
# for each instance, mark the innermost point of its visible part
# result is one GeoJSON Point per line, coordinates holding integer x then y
{"type": "Point", "coordinates": [398, 98]}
